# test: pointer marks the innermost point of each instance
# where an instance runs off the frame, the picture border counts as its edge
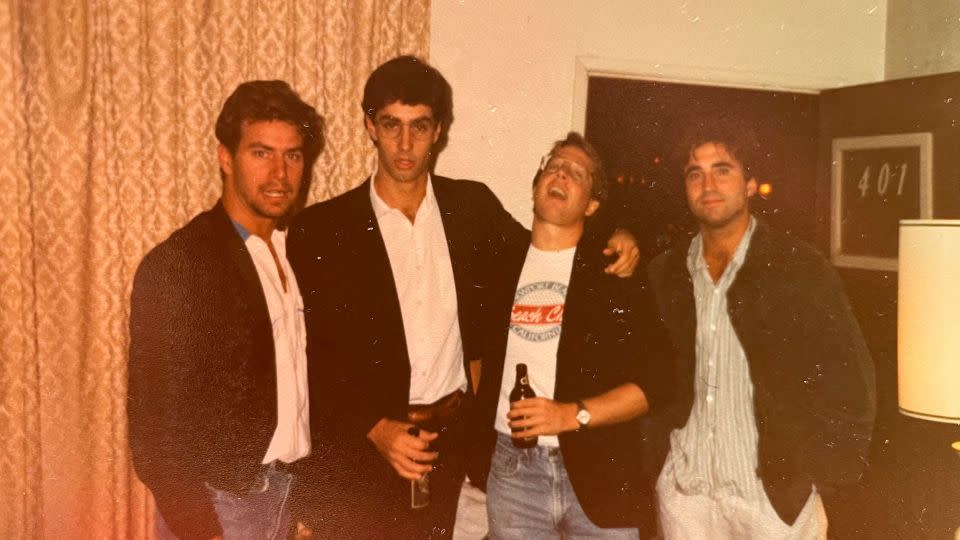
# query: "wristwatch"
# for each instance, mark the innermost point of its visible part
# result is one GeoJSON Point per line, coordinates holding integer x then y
{"type": "Point", "coordinates": [583, 416]}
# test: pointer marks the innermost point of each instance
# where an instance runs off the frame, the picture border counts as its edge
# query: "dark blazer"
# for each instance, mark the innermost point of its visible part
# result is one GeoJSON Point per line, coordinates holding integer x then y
{"type": "Point", "coordinates": [813, 378]}
{"type": "Point", "coordinates": [359, 367]}
{"type": "Point", "coordinates": [611, 334]}
{"type": "Point", "coordinates": [202, 401]}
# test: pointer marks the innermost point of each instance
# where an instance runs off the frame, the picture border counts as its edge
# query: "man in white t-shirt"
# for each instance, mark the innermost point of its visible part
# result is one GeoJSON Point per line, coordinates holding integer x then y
{"type": "Point", "coordinates": [577, 330]}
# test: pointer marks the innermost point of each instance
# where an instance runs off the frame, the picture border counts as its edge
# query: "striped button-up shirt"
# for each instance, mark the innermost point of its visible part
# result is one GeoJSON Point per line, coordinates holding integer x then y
{"type": "Point", "coordinates": [716, 452]}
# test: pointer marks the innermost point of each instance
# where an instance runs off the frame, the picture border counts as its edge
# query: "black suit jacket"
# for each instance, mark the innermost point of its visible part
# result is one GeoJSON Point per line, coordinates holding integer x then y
{"type": "Point", "coordinates": [359, 366]}
{"type": "Point", "coordinates": [611, 334]}
{"type": "Point", "coordinates": [813, 378]}
{"type": "Point", "coordinates": [202, 401]}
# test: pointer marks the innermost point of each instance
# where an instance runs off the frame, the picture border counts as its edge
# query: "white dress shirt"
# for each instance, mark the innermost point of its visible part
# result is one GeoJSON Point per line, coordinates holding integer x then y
{"type": "Point", "coordinates": [291, 440]}
{"type": "Point", "coordinates": [423, 275]}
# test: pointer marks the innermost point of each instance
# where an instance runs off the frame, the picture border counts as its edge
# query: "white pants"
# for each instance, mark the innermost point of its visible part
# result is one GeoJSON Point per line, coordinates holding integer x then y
{"type": "Point", "coordinates": [471, 514]}
{"type": "Point", "coordinates": [692, 517]}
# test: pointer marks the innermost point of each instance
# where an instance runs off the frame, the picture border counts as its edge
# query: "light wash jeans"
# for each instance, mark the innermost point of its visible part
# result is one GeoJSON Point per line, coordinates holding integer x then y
{"type": "Point", "coordinates": [529, 497]}
{"type": "Point", "coordinates": [263, 513]}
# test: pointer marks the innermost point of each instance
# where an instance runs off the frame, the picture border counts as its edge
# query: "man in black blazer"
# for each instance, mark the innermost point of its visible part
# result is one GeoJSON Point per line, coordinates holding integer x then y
{"type": "Point", "coordinates": [217, 402]}
{"type": "Point", "coordinates": [595, 354]}
{"type": "Point", "coordinates": [776, 390]}
{"type": "Point", "coordinates": [395, 281]}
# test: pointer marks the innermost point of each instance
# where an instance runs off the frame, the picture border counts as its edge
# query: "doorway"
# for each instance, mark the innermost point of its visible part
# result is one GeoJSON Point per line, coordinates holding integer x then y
{"type": "Point", "coordinates": [636, 123]}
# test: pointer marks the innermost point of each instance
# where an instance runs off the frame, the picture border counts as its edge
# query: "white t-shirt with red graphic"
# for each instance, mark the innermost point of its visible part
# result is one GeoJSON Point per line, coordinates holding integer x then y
{"type": "Point", "coordinates": [535, 328]}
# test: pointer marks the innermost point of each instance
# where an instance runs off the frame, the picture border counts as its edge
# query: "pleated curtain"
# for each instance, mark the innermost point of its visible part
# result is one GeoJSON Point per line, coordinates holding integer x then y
{"type": "Point", "coordinates": [106, 146]}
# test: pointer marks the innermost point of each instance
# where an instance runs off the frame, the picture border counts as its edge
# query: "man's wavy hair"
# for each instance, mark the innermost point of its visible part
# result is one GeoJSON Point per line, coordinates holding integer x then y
{"type": "Point", "coordinates": [736, 135]}
{"type": "Point", "coordinates": [257, 101]}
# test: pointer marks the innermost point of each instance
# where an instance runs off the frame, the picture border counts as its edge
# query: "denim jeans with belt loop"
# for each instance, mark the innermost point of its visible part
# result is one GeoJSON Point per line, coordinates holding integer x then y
{"type": "Point", "coordinates": [529, 496]}
{"type": "Point", "coordinates": [262, 513]}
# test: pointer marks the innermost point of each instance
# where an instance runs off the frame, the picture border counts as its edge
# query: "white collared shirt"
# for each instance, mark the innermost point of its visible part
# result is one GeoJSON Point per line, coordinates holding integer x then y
{"type": "Point", "coordinates": [423, 275]}
{"type": "Point", "coordinates": [291, 440]}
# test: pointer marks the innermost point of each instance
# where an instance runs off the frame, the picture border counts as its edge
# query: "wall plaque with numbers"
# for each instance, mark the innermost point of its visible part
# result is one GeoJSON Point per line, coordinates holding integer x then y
{"type": "Point", "coordinates": [876, 182]}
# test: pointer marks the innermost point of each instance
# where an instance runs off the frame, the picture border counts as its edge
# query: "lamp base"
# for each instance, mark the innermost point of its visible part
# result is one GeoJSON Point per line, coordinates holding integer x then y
{"type": "Point", "coordinates": [930, 417]}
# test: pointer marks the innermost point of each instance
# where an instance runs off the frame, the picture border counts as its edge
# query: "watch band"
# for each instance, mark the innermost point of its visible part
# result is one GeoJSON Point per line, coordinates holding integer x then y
{"type": "Point", "coordinates": [582, 411]}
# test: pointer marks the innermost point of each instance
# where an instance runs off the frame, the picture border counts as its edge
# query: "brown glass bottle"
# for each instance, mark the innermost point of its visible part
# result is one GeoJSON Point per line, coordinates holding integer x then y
{"type": "Point", "coordinates": [522, 390]}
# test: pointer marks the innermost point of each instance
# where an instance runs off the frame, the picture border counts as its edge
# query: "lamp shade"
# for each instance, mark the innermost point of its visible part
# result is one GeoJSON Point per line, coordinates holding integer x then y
{"type": "Point", "coordinates": [928, 320]}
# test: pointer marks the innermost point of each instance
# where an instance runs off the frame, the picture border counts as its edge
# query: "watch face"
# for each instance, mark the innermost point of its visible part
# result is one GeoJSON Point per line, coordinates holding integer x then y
{"type": "Point", "coordinates": [583, 417]}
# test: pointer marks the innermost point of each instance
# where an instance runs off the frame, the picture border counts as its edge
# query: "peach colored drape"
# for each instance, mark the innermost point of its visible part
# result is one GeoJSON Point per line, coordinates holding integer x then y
{"type": "Point", "coordinates": [106, 146]}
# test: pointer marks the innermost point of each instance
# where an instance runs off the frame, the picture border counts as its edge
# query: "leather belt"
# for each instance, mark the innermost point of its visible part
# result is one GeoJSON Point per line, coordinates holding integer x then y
{"type": "Point", "coordinates": [439, 412]}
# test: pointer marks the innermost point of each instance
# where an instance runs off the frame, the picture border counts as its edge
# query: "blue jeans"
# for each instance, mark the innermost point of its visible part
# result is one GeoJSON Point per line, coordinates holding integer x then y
{"type": "Point", "coordinates": [529, 496]}
{"type": "Point", "coordinates": [263, 513]}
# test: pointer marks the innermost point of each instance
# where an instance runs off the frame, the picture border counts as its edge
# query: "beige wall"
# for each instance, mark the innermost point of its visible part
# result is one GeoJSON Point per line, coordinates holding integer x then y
{"type": "Point", "coordinates": [923, 38]}
{"type": "Point", "coordinates": [512, 63]}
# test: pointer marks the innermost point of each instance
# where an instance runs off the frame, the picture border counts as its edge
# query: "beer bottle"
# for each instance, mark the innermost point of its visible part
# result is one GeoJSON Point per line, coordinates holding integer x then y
{"type": "Point", "coordinates": [522, 390]}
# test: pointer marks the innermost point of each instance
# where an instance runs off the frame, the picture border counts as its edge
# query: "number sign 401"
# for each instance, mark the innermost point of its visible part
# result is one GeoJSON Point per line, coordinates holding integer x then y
{"type": "Point", "coordinates": [883, 179]}
{"type": "Point", "coordinates": [875, 182]}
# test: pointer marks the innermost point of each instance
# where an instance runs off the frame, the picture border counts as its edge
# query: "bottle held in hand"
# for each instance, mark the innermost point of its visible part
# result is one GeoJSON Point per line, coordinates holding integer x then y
{"type": "Point", "coordinates": [420, 488]}
{"type": "Point", "coordinates": [522, 390]}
